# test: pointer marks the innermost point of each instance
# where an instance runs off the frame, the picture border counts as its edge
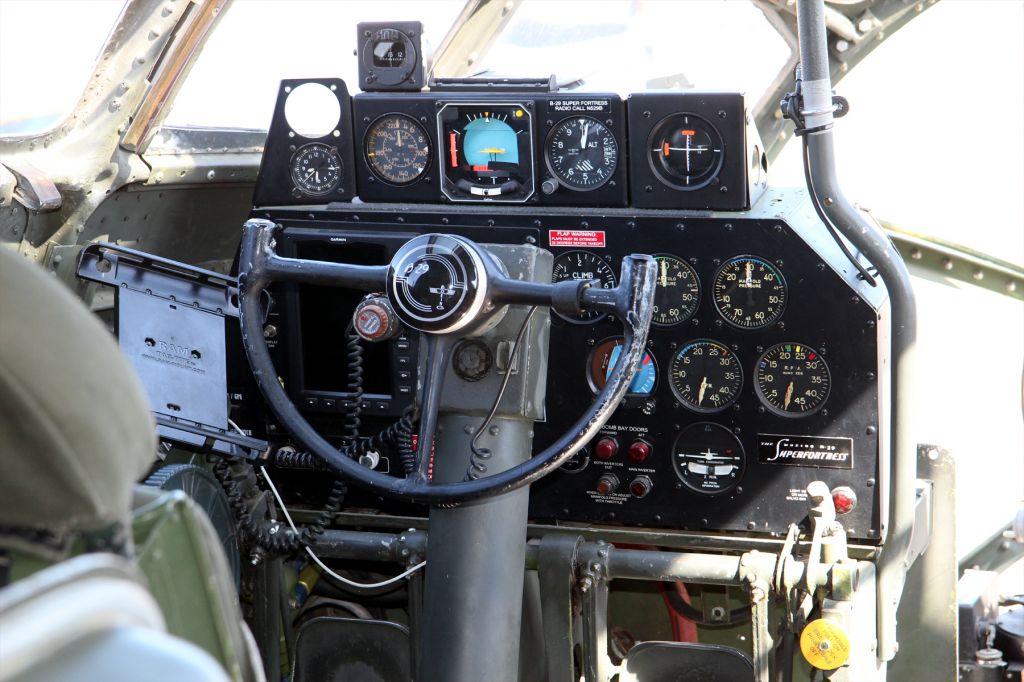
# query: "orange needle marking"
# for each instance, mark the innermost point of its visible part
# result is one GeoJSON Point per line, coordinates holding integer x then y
{"type": "Point", "coordinates": [664, 149]}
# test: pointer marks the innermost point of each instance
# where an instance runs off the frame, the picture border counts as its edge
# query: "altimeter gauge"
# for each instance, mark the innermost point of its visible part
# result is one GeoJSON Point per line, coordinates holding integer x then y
{"type": "Point", "coordinates": [581, 152]}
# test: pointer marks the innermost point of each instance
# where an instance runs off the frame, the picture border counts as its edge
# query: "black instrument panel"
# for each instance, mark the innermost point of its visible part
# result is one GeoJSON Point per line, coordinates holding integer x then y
{"type": "Point", "coordinates": [674, 149]}
{"type": "Point", "coordinates": [701, 442]}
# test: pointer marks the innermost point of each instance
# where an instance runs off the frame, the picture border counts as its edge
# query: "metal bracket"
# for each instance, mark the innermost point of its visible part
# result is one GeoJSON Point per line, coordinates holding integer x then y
{"type": "Point", "coordinates": [597, 667]}
{"type": "Point", "coordinates": [556, 563]}
{"type": "Point", "coordinates": [35, 190]}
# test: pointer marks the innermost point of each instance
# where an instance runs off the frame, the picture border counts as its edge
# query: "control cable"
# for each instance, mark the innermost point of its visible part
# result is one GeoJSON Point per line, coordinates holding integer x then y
{"type": "Point", "coordinates": [478, 460]}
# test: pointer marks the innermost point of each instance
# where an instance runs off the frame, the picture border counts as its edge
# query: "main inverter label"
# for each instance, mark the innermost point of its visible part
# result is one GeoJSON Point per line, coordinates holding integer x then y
{"type": "Point", "coordinates": [805, 451]}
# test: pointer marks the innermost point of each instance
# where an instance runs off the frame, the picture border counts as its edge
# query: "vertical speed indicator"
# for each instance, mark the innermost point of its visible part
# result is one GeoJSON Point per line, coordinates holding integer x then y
{"type": "Point", "coordinates": [749, 292]}
{"type": "Point", "coordinates": [583, 266]}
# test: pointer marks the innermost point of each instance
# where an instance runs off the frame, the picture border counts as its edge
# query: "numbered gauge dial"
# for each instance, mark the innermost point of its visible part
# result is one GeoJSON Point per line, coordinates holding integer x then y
{"type": "Point", "coordinates": [793, 379]}
{"type": "Point", "coordinates": [582, 153]}
{"type": "Point", "coordinates": [605, 358]}
{"type": "Point", "coordinates": [397, 149]}
{"type": "Point", "coordinates": [708, 458]}
{"type": "Point", "coordinates": [749, 292]}
{"type": "Point", "coordinates": [586, 266]}
{"type": "Point", "coordinates": [706, 376]}
{"type": "Point", "coordinates": [685, 151]}
{"type": "Point", "coordinates": [678, 292]}
{"type": "Point", "coordinates": [316, 169]}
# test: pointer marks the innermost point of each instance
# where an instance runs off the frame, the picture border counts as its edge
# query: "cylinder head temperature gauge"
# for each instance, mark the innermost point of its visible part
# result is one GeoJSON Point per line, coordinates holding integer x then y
{"type": "Point", "coordinates": [708, 458]}
{"type": "Point", "coordinates": [749, 292]}
{"type": "Point", "coordinates": [792, 379]}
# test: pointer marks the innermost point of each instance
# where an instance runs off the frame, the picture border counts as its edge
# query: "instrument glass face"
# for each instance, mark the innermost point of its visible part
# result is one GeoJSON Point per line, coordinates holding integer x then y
{"type": "Point", "coordinates": [685, 151]}
{"type": "Point", "coordinates": [792, 379]}
{"type": "Point", "coordinates": [397, 149]}
{"type": "Point", "coordinates": [708, 458]}
{"type": "Point", "coordinates": [605, 358]}
{"type": "Point", "coordinates": [582, 153]}
{"type": "Point", "coordinates": [706, 376]}
{"type": "Point", "coordinates": [587, 266]}
{"type": "Point", "coordinates": [316, 169]}
{"type": "Point", "coordinates": [486, 152]}
{"type": "Point", "coordinates": [749, 292]}
{"type": "Point", "coordinates": [678, 293]}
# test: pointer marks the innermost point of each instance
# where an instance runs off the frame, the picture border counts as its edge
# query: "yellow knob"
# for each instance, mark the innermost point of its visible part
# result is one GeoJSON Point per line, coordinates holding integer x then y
{"type": "Point", "coordinates": [825, 644]}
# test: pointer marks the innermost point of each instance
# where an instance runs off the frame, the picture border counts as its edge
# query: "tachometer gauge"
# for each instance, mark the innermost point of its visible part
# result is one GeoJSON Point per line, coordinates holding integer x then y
{"type": "Point", "coordinates": [685, 151]}
{"type": "Point", "coordinates": [749, 292]}
{"type": "Point", "coordinates": [397, 149]}
{"type": "Point", "coordinates": [316, 168]}
{"type": "Point", "coordinates": [581, 152]}
{"type": "Point", "coordinates": [792, 379]}
{"type": "Point", "coordinates": [604, 360]}
{"type": "Point", "coordinates": [708, 459]}
{"type": "Point", "coordinates": [705, 376]}
{"type": "Point", "coordinates": [678, 292]}
{"type": "Point", "coordinates": [486, 152]}
{"type": "Point", "coordinates": [586, 266]}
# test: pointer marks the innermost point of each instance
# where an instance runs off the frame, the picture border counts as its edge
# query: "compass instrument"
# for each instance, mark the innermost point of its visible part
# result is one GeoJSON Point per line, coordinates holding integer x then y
{"type": "Point", "coordinates": [582, 153]}
{"type": "Point", "coordinates": [397, 149]}
{"type": "Point", "coordinates": [708, 458]}
{"type": "Point", "coordinates": [586, 266]}
{"type": "Point", "coordinates": [705, 376]}
{"type": "Point", "coordinates": [316, 169]}
{"type": "Point", "coordinates": [749, 292]}
{"type": "Point", "coordinates": [792, 379]}
{"type": "Point", "coordinates": [486, 152]}
{"type": "Point", "coordinates": [678, 293]}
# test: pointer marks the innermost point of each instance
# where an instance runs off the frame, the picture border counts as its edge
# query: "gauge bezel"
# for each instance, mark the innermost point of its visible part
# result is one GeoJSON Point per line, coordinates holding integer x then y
{"type": "Point", "coordinates": [778, 411]}
{"type": "Point", "coordinates": [461, 108]}
{"type": "Point", "coordinates": [558, 176]}
{"type": "Point", "coordinates": [782, 281]}
{"type": "Point", "coordinates": [369, 162]}
{"type": "Point", "coordinates": [696, 280]}
{"type": "Point", "coordinates": [742, 466]}
{"type": "Point", "coordinates": [306, 149]}
{"type": "Point", "coordinates": [583, 319]}
{"type": "Point", "coordinates": [629, 394]}
{"type": "Point", "coordinates": [705, 178]}
{"type": "Point", "coordinates": [686, 403]}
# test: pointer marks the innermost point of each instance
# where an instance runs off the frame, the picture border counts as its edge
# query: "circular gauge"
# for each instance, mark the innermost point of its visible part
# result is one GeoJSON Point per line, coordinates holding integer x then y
{"type": "Point", "coordinates": [792, 379]}
{"type": "Point", "coordinates": [316, 168]}
{"type": "Point", "coordinates": [749, 292]}
{"type": "Point", "coordinates": [686, 151]}
{"type": "Point", "coordinates": [397, 149]}
{"type": "Point", "coordinates": [678, 292]}
{"type": "Point", "coordinates": [606, 356]}
{"type": "Point", "coordinates": [706, 376]}
{"type": "Point", "coordinates": [581, 152]}
{"type": "Point", "coordinates": [587, 266]}
{"type": "Point", "coordinates": [487, 152]}
{"type": "Point", "coordinates": [708, 458]}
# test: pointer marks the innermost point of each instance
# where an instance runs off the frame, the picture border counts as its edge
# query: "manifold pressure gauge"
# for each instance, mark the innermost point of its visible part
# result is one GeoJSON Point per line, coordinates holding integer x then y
{"type": "Point", "coordinates": [582, 153]}
{"type": "Point", "coordinates": [678, 292]}
{"type": "Point", "coordinates": [749, 292]}
{"type": "Point", "coordinates": [316, 169]}
{"type": "Point", "coordinates": [397, 149]}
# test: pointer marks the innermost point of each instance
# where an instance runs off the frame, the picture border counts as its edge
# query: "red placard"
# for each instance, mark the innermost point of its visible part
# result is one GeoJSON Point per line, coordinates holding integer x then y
{"type": "Point", "coordinates": [588, 238]}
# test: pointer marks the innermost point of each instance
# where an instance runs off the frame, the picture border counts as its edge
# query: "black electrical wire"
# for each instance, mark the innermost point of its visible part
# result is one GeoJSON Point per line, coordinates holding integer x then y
{"type": "Point", "coordinates": [735, 616]}
{"type": "Point", "coordinates": [828, 223]}
{"type": "Point", "coordinates": [478, 458]}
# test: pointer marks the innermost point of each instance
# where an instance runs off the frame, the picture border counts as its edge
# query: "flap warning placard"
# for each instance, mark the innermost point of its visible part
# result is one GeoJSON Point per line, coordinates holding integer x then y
{"type": "Point", "coordinates": [587, 238]}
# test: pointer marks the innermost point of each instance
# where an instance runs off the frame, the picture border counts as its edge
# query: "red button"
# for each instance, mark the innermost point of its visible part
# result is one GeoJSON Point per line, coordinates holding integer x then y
{"type": "Point", "coordinates": [606, 448]}
{"type": "Point", "coordinates": [607, 484]}
{"type": "Point", "coordinates": [844, 499]}
{"type": "Point", "coordinates": [639, 450]}
{"type": "Point", "coordinates": [640, 486]}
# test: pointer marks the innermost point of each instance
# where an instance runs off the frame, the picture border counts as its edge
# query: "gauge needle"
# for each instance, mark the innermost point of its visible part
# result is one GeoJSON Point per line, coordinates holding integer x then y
{"type": "Point", "coordinates": [583, 138]}
{"type": "Point", "coordinates": [398, 137]}
{"type": "Point", "coordinates": [789, 396]}
{"type": "Point", "coordinates": [704, 385]}
{"type": "Point", "coordinates": [310, 172]}
{"type": "Point", "coordinates": [750, 272]}
{"type": "Point", "coordinates": [664, 273]}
